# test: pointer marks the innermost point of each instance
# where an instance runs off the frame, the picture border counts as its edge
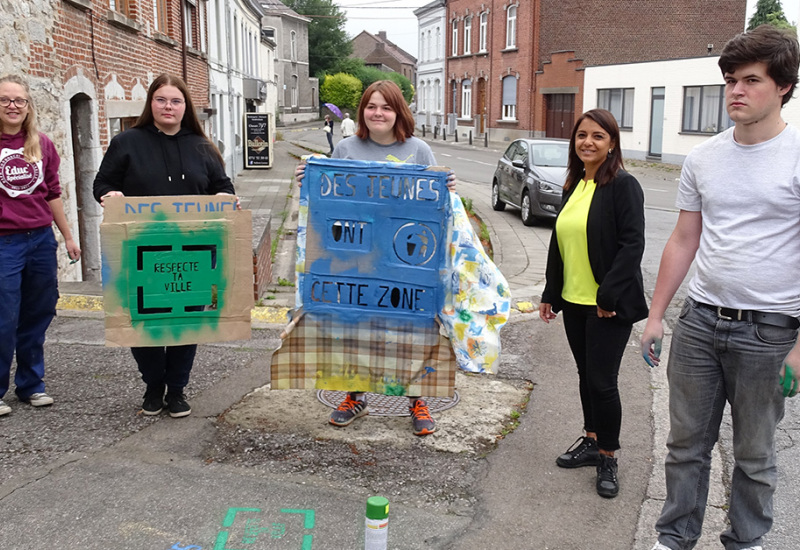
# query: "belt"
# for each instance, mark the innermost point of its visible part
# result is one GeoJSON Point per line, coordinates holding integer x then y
{"type": "Point", "coordinates": [774, 319]}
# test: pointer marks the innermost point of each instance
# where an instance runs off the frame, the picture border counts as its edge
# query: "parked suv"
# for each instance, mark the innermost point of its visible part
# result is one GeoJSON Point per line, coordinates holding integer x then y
{"type": "Point", "coordinates": [530, 176]}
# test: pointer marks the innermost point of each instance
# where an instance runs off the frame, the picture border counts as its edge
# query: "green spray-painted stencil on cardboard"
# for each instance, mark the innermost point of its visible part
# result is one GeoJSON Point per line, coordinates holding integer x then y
{"type": "Point", "coordinates": [172, 279]}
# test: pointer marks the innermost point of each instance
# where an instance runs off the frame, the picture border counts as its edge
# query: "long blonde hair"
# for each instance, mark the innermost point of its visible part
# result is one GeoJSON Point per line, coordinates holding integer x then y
{"type": "Point", "coordinates": [32, 149]}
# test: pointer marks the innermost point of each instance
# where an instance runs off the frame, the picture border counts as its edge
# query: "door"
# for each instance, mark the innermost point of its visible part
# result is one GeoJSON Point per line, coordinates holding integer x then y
{"type": "Point", "coordinates": [560, 115]}
{"type": "Point", "coordinates": [656, 122]}
{"type": "Point", "coordinates": [482, 105]}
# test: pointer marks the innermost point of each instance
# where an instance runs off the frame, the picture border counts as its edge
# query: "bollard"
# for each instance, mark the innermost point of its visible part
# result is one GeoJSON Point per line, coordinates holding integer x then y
{"type": "Point", "coordinates": [444, 134]}
{"type": "Point", "coordinates": [470, 137]}
{"type": "Point", "coordinates": [423, 130]}
{"type": "Point", "coordinates": [376, 527]}
{"type": "Point", "coordinates": [456, 133]}
{"type": "Point", "coordinates": [435, 132]}
{"type": "Point", "coordinates": [486, 139]}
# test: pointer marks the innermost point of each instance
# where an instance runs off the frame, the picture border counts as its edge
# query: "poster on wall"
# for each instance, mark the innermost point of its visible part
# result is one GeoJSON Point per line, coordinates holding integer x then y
{"type": "Point", "coordinates": [176, 270]}
{"type": "Point", "coordinates": [258, 137]}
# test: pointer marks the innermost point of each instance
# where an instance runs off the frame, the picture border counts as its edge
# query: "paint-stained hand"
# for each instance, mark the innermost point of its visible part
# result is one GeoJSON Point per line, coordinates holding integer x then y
{"type": "Point", "coordinates": [651, 341]}
{"type": "Point", "coordinates": [451, 181]}
{"type": "Point", "coordinates": [299, 172]}
{"type": "Point", "coordinates": [110, 194]}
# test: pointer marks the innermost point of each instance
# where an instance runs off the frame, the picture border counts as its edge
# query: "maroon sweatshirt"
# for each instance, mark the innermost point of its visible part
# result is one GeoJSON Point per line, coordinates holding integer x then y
{"type": "Point", "coordinates": [26, 188]}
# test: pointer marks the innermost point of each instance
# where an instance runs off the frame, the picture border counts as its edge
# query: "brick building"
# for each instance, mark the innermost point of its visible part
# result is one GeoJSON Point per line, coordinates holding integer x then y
{"type": "Point", "coordinates": [515, 67]}
{"type": "Point", "coordinates": [379, 52]}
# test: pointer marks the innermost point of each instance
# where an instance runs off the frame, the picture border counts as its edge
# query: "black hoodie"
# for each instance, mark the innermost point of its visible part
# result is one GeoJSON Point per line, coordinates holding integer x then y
{"type": "Point", "coordinates": [147, 162]}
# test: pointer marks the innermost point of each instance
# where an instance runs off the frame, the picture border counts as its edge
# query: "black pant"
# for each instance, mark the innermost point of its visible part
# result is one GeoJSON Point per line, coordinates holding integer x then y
{"type": "Point", "coordinates": [168, 365]}
{"type": "Point", "coordinates": [330, 140]}
{"type": "Point", "coordinates": [597, 345]}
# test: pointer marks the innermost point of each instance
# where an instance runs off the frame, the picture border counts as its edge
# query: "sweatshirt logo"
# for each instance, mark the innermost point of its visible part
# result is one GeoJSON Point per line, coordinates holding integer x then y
{"type": "Point", "coordinates": [18, 176]}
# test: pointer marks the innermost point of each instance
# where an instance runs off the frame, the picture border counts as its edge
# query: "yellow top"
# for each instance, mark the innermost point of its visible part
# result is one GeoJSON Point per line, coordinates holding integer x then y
{"type": "Point", "coordinates": [579, 284]}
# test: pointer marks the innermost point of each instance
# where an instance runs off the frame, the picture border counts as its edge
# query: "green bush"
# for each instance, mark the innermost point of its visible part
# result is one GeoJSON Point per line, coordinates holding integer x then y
{"type": "Point", "coordinates": [343, 90]}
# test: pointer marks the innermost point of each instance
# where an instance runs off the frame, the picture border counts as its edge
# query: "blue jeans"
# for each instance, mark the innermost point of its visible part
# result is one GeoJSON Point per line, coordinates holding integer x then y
{"type": "Point", "coordinates": [713, 361]}
{"type": "Point", "coordinates": [28, 297]}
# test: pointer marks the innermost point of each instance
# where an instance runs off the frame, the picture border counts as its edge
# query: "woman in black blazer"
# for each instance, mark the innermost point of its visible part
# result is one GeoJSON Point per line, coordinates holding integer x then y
{"type": "Point", "coordinates": [594, 276]}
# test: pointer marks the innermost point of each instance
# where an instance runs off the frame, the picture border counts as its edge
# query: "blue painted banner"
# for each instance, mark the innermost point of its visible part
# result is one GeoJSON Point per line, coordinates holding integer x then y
{"type": "Point", "coordinates": [376, 238]}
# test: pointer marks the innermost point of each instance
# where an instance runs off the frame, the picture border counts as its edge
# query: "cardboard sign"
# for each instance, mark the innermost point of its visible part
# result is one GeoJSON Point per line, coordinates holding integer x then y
{"type": "Point", "coordinates": [371, 266]}
{"type": "Point", "coordinates": [376, 238]}
{"type": "Point", "coordinates": [176, 270]}
{"type": "Point", "coordinates": [258, 137]}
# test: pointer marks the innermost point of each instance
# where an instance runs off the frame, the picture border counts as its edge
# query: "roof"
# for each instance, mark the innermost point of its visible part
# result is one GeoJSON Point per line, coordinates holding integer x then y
{"type": "Point", "coordinates": [393, 49]}
{"type": "Point", "coordinates": [276, 7]}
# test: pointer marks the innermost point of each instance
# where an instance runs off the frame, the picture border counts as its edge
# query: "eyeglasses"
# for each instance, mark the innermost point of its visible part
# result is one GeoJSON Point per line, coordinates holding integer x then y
{"type": "Point", "coordinates": [19, 102]}
{"type": "Point", "coordinates": [162, 102]}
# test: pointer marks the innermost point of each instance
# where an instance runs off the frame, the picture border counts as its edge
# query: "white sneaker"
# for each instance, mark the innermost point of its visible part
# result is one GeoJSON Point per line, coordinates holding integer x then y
{"type": "Point", "coordinates": [660, 546]}
{"type": "Point", "coordinates": [4, 409]}
{"type": "Point", "coordinates": [40, 399]}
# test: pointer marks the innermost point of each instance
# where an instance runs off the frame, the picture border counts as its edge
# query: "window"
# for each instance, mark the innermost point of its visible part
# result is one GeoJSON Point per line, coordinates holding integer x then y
{"type": "Point", "coordinates": [511, 27]}
{"type": "Point", "coordinates": [294, 90]}
{"type": "Point", "coordinates": [704, 110]}
{"type": "Point", "coordinates": [467, 35]}
{"type": "Point", "coordinates": [438, 43]}
{"type": "Point", "coordinates": [454, 93]}
{"type": "Point", "coordinates": [482, 32]}
{"type": "Point", "coordinates": [160, 16]}
{"type": "Point", "coordinates": [428, 53]}
{"type": "Point", "coordinates": [118, 125]}
{"type": "Point", "coordinates": [620, 102]}
{"type": "Point", "coordinates": [421, 97]}
{"type": "Point", "coordinates": [188, 18]}
{"type": "Point", "coordinates": [422, 47]}
{"type": "Point", "coordinates": [466, 99]}
{"type": "Point", "coordinates": [120, 6]}
{"type": "Point", "coordinates": [455, 38]}
{"type": "Point", "coordinates": [293, 45]}
{"type": "Point", "coordinates": [437, 91]}
{"type": "Point", "coordinates": [510, 97]}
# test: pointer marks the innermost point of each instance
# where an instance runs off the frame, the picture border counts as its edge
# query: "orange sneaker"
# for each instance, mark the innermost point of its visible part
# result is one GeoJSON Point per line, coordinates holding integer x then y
{"type": "Point", "coordinates": [348, 410]}
{"type": "Point", "coordinates": [421, 418]}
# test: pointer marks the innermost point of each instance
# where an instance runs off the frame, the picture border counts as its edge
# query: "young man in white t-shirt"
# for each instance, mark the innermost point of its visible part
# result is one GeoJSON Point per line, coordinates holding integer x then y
{"type": "Point", "coordinates": [736, 338]}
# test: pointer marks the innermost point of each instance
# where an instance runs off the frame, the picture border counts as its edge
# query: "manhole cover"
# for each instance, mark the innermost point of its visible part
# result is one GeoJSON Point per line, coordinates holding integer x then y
{"type": "Point", "coordinates": [388, 405]}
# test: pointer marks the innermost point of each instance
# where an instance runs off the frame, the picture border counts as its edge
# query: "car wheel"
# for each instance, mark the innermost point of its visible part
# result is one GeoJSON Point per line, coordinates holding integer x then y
{"type": "Point", "coordinates": [497, 204]}
{"type": "Point", "coordinates": [527, 218]}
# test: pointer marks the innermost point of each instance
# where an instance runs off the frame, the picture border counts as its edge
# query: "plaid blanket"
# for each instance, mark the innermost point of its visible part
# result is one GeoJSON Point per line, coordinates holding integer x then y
{"type": "Point", "coordinates": [379, 355]}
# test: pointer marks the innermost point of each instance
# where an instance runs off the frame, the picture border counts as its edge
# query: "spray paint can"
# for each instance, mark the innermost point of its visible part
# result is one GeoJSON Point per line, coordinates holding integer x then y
{"type": "Point", "coordinates": [376, 528]}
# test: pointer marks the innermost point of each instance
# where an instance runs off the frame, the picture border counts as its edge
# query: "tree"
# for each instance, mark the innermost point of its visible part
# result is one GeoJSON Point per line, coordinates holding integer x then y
{"type": "Point", "coordinates": [343, 90]}
{"type": "Point", "coordinates": [327, 39]}
{"type": "Point", "coordinates": [770, 12]}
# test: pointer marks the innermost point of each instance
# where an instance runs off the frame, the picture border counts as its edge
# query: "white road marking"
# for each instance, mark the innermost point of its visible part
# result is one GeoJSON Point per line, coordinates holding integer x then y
{"type": "Point", "coordinates": [656, 190]}
{"type": "Point", "coordinates": [477, 161]}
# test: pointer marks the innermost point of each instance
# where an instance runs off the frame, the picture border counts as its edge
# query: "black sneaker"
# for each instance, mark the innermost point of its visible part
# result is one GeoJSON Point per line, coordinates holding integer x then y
{"type": "Point", "coordinates": [421, 418]}
{"type": "Point", "coordinates": [177, 405]}
{"type": "Point", "coordinates": [607, 483]}
{"type": "Point", "coordinates": [582, 453]}
{"type": "Point", "coordinates": [348, 410]}
{"type": "Point", "coordinates": [153, 400]}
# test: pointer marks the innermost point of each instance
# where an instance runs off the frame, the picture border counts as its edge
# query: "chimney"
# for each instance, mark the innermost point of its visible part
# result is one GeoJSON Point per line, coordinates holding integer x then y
{"type": "Point", "coordinates": [382, 35]}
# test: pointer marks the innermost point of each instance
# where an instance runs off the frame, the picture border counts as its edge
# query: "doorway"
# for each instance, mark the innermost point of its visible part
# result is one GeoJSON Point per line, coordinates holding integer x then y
{"type": "Point", "coordinates": [89, 211]}
{"type": "Point", "coordinates": [656, 123]}
{"type": "Point", "coordinates": [560, 115]}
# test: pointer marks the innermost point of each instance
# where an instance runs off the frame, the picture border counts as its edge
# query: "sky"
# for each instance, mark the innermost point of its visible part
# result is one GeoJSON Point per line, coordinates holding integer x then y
{"type": "Point", "coordinates": [396, 17]}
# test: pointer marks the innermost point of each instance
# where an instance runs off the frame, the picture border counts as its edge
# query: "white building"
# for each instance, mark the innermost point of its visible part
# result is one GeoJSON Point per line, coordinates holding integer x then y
{"type": "Point", "coordinates": [237, 84]}
{"type": "Point", "coordinates": [665, 108]}
{"type": "Point", "coordinates": [431, 65]}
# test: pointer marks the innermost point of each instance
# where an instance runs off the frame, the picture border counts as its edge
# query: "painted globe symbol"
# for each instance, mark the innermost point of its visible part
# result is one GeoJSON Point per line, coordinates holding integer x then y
{"type": "Point", "coordinates": [414, 243]}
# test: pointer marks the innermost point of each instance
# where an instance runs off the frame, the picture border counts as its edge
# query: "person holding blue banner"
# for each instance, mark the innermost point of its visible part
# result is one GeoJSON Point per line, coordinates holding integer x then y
{"type": "Point", "coordinates": [385, 135]}
{"type": "Point", "coordinates": [30, 200]}
{"type": "Point", "coordinates": [594, 275]}
{"type": "Point", "coordinates": [165, 153]}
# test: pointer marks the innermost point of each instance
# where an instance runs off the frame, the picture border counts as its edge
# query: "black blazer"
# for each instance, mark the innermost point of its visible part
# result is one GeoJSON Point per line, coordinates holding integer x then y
{"type": "Point", "coordinates": [615, 239]}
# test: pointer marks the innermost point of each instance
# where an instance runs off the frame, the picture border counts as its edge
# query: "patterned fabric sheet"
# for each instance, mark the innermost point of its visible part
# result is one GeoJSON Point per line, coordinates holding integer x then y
{"type": "Point", "coordinates": [477, 305]}
{"type": "Point", "coordinates": [379, 355]}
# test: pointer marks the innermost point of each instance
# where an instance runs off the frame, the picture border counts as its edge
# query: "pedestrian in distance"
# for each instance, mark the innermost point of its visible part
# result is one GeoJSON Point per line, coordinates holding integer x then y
{"type": "Point", "coordinates": [594, 276]}
{"type": "Point", "coordinates": [30, 201]}
{"type": "Point", "coordinates": [736, 337]}
{"type": "Point", "coordinates": [348, 126]}
{"type": "Point", "coordinates": [166, 152]}
{"type": "Point", "coordinates": [385, 134]}
{"type": "Point", "coordinates": [328, 127]}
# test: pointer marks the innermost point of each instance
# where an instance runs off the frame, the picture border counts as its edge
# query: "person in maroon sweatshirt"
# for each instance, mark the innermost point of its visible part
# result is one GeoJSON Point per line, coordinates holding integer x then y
{"type": "Point", "coordinates": [165, 153]}
{"type": "Point", "coordinates": [30, 200]}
